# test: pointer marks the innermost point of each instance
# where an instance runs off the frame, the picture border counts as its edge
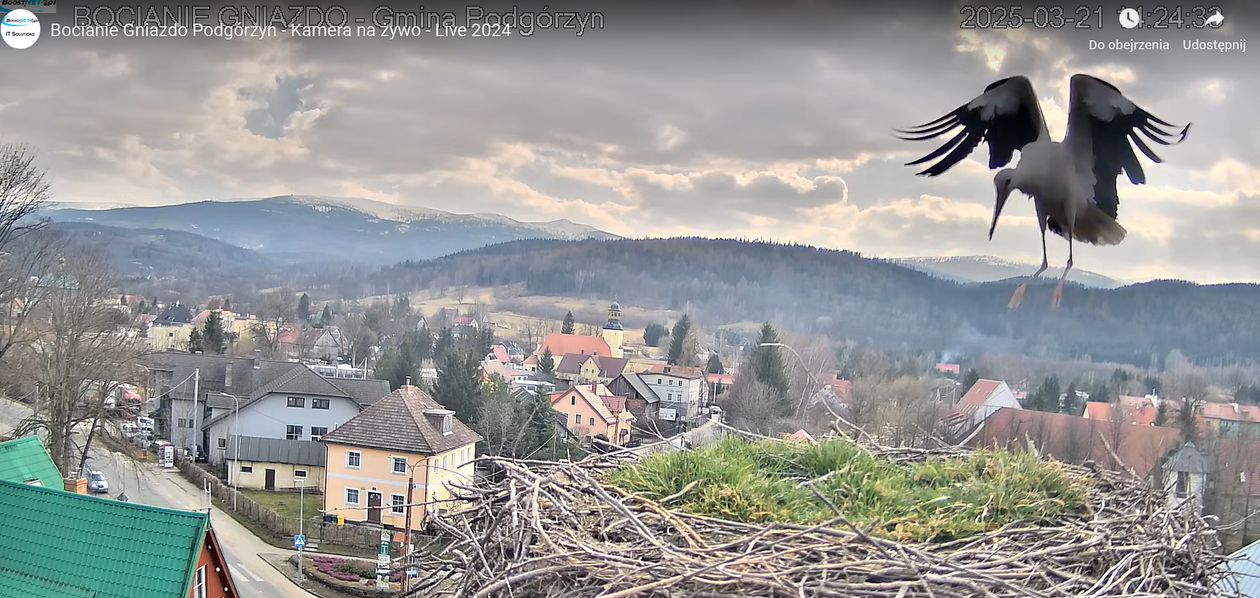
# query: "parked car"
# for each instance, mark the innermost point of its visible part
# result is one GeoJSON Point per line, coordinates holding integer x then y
{"type": "Point", "coordinates": [97, 483]}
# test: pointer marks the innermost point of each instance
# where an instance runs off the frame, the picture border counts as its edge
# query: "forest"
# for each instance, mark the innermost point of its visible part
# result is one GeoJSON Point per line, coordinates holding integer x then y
{"type": "Point", "coordinates": [845, 295]}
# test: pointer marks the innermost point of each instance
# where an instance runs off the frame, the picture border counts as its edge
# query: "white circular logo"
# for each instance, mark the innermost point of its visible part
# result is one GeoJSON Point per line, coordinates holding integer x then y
{"type": "Point", "coordinates": [19, 28]}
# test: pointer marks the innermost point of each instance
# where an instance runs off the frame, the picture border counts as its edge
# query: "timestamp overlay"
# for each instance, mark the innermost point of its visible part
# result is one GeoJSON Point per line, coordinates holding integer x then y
{"type": "Point", "coordinates": [389, 22]}
{"type": "Point", "coordinates": [1122, 28]}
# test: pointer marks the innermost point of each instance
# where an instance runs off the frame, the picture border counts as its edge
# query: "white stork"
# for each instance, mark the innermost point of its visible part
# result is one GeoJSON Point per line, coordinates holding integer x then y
{"type": "Point", "coordinates": [1073, 182]}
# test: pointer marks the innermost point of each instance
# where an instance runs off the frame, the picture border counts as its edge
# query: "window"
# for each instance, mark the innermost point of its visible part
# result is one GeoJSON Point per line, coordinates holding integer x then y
{"type": "Point", "coordinates": [660, 380]}
{"type": "Point", "coordinates": [247, 469]}
{"type": "Point", "coordinates": [299, 473]}
{"type": "Point", "coordinates": [293, 432]}
{"type": "Point", "coordinates": [577, 418]}
{"type": "Point", "coordinates": [297, 402]}
{"type": "Point", "coordinates": [592, 421]}
{"type": "Point", "coordinates": [353, 459]}
{"type": "Point", "coordinates": [352, 496]}
{"type": "Point", "coordinates": [400, 465]}
{"type": "Point", "coordinates": [318, 432]}
{"type": "Point", "coordinates": [222, 443]}
{"type": "Point", "coordinates": [573, 401]}
{"type": "Point", "coordinates": [199, 583]}
{"type": "Point", "coordinates": [319, 403]}
{"type": "Point", "coordinates": [1183, 484]}
{"type": "Point", "coordinates": [448, 424]}
{"type": "Point", "coordinates": [183, 423]}
{"type": "Point", "coordinates": [397, 504]}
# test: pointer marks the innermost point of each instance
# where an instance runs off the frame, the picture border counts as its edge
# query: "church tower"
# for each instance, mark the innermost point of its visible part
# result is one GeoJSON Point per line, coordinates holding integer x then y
{"type": "Point", "coordinates": [614, 334]}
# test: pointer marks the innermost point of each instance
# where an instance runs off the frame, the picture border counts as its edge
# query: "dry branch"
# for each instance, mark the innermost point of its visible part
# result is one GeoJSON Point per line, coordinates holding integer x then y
{"type": "Point", "coordinates": [554, 529]}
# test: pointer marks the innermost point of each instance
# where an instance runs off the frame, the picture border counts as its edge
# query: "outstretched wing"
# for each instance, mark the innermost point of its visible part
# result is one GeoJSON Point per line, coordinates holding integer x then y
{"type": "Point", "coordinates": [1101, 123]}
{"type": "Point", "coordinates": [1006, 116]}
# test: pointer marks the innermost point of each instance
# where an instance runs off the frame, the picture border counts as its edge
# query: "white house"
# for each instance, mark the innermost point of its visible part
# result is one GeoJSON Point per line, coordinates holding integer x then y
{"type": "Point", "coordinates": [984, 399]}
{"type": "Point", "coordinates": [298, 405]}
{"type": "Point", "coordinates": [680, 390]}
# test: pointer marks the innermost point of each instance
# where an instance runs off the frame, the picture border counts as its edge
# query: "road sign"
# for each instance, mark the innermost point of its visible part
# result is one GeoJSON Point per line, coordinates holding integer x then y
{"type": "Point", "coordinates": [299, 541]}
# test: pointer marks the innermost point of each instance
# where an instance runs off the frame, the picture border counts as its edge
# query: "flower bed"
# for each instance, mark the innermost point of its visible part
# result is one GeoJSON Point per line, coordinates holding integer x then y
{"type": "Point", "coordinates": [355, 576]}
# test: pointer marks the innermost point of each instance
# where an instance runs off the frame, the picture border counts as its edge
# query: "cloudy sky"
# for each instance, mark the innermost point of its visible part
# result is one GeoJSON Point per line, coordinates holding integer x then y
{"type": "Point", "coordinates": [756, 122]}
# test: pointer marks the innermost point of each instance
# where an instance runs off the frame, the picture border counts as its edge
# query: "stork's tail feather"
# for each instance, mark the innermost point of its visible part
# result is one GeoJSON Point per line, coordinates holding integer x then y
{"type": "Point", "coordinates": [1094, 226]}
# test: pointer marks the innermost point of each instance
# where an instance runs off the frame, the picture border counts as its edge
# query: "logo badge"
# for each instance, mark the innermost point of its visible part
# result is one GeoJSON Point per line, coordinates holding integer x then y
{"type": "Point", "coordinates": [19, 28]}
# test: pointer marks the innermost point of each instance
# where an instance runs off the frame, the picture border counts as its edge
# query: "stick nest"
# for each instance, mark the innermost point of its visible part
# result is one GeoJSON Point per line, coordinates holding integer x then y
{"type": "Point", "coordinates": [560, 529]}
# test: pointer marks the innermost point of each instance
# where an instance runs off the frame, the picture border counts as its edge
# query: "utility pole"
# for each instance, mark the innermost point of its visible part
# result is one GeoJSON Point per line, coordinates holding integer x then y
{"type": "Point", "coordinates": [196, 429]}
{"type": "Point", "coordinates": [301, 516]}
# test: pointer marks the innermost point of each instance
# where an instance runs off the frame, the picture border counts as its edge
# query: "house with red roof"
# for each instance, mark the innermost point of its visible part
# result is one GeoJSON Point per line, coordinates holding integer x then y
{"type": "Point", "coordinates": [592, 409]}
{"type": "Point", "coordinates": [560, 344]}
{"type": "Point", "coordinates": [1073, 439]}
{"type": "Point", "coordinates": [1226, 420]}
{"type": "Point", "coordinates": [1139, 411]}
{"type": "Point", "coordinates": [982, 400]}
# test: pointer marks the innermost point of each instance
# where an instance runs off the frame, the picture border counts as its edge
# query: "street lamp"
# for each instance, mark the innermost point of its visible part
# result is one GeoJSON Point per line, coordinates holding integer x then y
{"type": "Point", "coordinates": [236, 431]}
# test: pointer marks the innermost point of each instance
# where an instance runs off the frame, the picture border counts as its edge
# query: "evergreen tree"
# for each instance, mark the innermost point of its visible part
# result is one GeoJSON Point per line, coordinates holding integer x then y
{"type": "Point", "coordinates": [143, 307]}
{"type": "Point", "coordinates": [445, 344]}
{"type": "Point", "coordinates": [653, 333]}
{"type": "Point", "coordinates": [970, 378]}
{"type": "Point", "coordinates": [458, 385]}
{"type": "Point", "coordinates": [304, 308]}
{"type": "Point", "coordinates": [547, 362]}
{"type": "Point", "coordinates": [539, 439]}
{"type": "Point", "coordinates": [213, 337]}
{"type": "Point", "coordinates": [397, 365]}
{"type": "Point", "coordinates": [424, 344]}
{"type": "Point", "coordinates": [227, 304]}
{"type": "Point", "coordinates": [567, 326]}
{"type": "Point", "coordinates": [1046, 397]}
{"type": "Point", "coordinates": [715, 365]}
{"type": "Point", "coordinates": [767, 362]}
{"type": "Point", "coordinates": [326, 317]}
{"type": "Point", "coordinates": [483, 341]}
{"type": "Point", "coordinates": [194, 341]}
{"type": "Point", "coordinates": [678, 340]}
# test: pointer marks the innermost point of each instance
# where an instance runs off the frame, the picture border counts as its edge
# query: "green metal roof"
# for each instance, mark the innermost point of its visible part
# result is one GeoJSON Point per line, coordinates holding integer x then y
{"type": "Point", "coordinates": [113, 549]}
{"type": "Point", "coordinates": [14, 584]}
{"type": "Point", "coordinates": [25, 459]}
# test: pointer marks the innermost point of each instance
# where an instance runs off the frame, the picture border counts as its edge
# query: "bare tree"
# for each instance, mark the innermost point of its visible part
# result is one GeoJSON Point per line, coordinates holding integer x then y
{"type": "Point", "coordinates": [81, 357]}
{"type": "Point", "coordinates": [23, 190]}
{"type": "Point", "coordinates": [273, 318]}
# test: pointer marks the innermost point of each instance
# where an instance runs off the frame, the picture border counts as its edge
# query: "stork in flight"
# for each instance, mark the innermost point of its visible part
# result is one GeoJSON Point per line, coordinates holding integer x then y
{"type": "Point", "coordinates": [1072, 182]}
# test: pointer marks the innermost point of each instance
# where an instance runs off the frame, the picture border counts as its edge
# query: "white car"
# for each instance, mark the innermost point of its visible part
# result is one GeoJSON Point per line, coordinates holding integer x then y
{"type": "Point", "coordinates": [97, 483]}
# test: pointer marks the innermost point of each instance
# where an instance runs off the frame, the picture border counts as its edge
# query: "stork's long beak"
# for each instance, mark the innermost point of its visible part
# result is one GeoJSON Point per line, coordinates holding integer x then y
{"type": "Point", "coordinates": [1003, 192]}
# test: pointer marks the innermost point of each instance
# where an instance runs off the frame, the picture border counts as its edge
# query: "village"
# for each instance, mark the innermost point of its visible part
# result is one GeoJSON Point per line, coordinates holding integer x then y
{"type": "Point", "coordinates": [370, 456]}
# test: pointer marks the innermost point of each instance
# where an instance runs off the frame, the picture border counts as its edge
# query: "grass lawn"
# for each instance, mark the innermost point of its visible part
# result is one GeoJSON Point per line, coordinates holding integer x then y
{"type": "Point", "coordinates": [286, 503]}
{"type": "Point", "coordinates": [933, 500]}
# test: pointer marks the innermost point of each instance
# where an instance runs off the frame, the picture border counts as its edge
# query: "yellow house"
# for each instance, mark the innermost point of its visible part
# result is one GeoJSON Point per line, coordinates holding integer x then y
{"type": "Point", "coordinates": [170, 337]}
{"type": "Point", "coordinates": [405, 436]}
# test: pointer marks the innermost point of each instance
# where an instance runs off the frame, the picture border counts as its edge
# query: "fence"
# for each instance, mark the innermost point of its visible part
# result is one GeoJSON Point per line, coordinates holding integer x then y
{"type": "Point", "coordinates": [315, 528]}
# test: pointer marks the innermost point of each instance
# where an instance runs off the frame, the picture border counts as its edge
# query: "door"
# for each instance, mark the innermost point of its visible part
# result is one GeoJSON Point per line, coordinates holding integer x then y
{"type": "Point", "coordinates": [271, 479]}
{"type": "Point", "coordinates": [374, 507]}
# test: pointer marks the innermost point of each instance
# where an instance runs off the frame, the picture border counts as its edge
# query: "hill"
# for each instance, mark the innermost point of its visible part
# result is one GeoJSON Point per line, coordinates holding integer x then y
{"type": "Point", "coordinates": [986, 268]}
{"type": "Point", "coordinates": [156, 261]}
{"type": "Point", "coordinates": [306, 228]}
{"type": "Point", "coordinates": [846, 295]}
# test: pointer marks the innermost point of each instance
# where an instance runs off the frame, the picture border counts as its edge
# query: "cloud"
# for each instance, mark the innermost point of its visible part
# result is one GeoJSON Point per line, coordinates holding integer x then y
{"type": "Point", "coordinates": [733, 122]}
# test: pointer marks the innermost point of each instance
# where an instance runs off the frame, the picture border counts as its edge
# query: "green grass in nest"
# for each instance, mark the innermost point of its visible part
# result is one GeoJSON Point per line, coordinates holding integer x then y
{"type": "Point", "coordinates": [934, 500]}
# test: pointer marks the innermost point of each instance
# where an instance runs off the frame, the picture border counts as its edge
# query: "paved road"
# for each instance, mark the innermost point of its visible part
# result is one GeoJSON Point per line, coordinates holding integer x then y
{"type": "Point", "coordinates": [148, 484]}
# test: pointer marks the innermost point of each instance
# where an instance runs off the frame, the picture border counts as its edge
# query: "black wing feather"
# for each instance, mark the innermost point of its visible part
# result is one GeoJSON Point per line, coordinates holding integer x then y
{"type": "Point", "coordinates": [1003, 132]}
{"type": "Point", "coordinates": [1110, 125]}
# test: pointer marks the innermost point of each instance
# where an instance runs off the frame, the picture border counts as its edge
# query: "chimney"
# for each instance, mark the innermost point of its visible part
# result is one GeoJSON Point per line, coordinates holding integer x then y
{"type": "Point", "coordinates": [408, 383]}
{"type": "Point", "coordinates": [227, 376]}
{"type": "Point", "coordinates": [75, 485]}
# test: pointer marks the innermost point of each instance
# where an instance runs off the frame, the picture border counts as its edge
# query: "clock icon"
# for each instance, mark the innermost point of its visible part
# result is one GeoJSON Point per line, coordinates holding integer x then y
{"type": "Point", "coordinates": [1130, 18]}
